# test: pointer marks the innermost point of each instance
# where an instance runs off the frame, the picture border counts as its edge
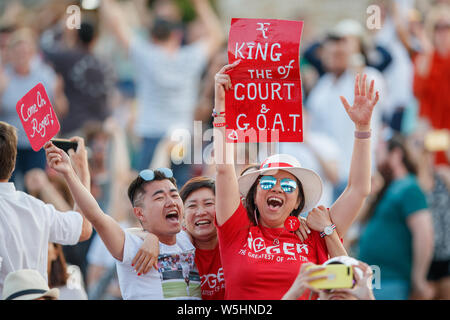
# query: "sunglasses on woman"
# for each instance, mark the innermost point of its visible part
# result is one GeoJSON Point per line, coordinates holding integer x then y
{"type": "Point", "coordinates": [268, 182]}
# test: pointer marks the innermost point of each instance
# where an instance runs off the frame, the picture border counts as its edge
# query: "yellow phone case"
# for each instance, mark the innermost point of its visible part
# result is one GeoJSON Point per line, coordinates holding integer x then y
{"type": "Point", "coordinates": [339, 276]}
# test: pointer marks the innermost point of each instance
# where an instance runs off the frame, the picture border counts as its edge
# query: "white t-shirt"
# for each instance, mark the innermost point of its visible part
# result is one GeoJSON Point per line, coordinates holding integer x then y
{"type": "Point", "coordinates": [17, 87]}
{"type": "Point", "coordinates": [74, 288]}
{"type": "Point", "coordinates": [154, 285]}
{"type": "Point", "coordinates": [27, 225]}
{"type": "Point", "coordinates": [167, 86]}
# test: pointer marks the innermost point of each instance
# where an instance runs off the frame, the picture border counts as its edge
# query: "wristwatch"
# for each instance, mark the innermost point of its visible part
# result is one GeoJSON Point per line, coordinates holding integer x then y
{"type": "Point", "coordinates": [328, 230]}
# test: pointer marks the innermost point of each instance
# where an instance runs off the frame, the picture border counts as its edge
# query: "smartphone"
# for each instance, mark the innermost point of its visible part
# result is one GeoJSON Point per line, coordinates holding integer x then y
{"type": "Point", "coordinates": [339, 276]}
{"type": "Point", "coordinates": [65, 144]}
{"type": "Point", "coordinates": [437, 140]}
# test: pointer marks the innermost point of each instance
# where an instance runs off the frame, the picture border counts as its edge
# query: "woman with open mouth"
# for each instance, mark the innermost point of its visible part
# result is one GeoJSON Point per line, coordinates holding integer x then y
{"type": "Point", "coordinates": [261, 254]}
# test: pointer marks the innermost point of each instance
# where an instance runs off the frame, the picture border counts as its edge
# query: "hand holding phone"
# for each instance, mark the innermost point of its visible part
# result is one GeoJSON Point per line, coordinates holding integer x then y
{"type": "Point", "coordinates": [338, 276]}
{"type": "Point", "coordinates": [65, 144]}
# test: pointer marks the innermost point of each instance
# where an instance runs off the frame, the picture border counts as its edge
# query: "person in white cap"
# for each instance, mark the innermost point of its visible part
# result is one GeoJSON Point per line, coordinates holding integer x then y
{"type": "Point", "coordinates": [28, 284]}
{"type": "Point", "coordinates": [261, 255]}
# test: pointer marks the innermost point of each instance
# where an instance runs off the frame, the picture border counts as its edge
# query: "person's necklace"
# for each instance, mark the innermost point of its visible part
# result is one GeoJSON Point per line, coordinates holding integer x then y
{"type": "Point", "coordinates": [290, 224]}
{"type": "Point", "coordinates": [275, 241]}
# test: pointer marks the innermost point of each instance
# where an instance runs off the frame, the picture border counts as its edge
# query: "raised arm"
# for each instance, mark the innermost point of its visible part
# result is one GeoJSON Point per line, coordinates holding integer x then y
{"type": "Point", "coordinates": [215, 36]}
{"type": "Point", "coordinates": [318, 219]}
{"type": "Point", "coordinates": [109, 230]}
{"type": "Point", "coordinates": [115, 21]}
{"type": "Point", "coordinates": [345, 209]}
{"type": "Point", "coordinates": [227, 188]}
{"type": "Point", "coordinates": [119, 205]}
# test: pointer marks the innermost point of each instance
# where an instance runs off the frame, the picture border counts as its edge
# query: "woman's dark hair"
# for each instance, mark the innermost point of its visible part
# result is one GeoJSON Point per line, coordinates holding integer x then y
{"type": "Point", "coordinates": [195, 184]}
{"type": "Point", "coordinates": [396, 142]}
{"type": "Point", "coordinates": [250, 206]}
{"type": "Point", "coordinates": [58, 276]}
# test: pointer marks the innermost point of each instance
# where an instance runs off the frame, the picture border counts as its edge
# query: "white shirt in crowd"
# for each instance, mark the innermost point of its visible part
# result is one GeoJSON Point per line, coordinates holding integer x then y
{"type": "Point", "coordinates": [27, 225]}
{"type": "Point", "coordinates": [17, 87]}
{"type": "Point", "coordinates": [327, 115]}
{"type": "Point", "coordinates": [74, 288]}
{"type": "Point", "coordinates": [148, 286]}
{"type": "Point", "coordinates": [167, 86]}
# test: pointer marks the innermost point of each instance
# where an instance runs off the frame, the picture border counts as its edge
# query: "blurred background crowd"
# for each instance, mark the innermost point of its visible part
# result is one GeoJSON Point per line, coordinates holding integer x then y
{"type": "Point", "coordinates": [133, 71]}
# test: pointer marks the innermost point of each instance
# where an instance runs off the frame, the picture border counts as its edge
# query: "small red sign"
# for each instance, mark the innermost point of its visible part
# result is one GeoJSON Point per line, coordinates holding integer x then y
{"type": "Point", "coordinates": [265, 104]}
{"type": "Point", "coordinates": [292, 223]}
{"type": "Point", "coordinates": [37, 116]}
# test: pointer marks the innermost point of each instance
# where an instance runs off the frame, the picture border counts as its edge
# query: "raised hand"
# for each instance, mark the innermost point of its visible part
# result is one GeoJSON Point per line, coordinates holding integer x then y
{"type": "Point", "coordinates": [222, 83]}
{"type": "Point", "coordinates": [361, 111]}
{"type": "Point", "coordinates": [79, 158]}
{"type": "Point", "coordinates": [57, 159]}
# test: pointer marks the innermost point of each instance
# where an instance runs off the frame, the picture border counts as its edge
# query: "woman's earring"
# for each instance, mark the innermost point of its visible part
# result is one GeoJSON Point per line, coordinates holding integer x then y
{"type": "Point", "coordinates": [256, 217]}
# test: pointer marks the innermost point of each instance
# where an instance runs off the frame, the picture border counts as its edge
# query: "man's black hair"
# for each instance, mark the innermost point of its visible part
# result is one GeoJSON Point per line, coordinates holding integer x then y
{"type": "Point", "coordinates": [137, 186]}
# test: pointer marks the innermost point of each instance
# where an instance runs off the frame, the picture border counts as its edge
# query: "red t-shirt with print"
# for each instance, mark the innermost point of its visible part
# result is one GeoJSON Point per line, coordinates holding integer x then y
{"type": "Point", "coordinates": [210, 270]}
{"type": "Point", "coordinates": [257, 269]}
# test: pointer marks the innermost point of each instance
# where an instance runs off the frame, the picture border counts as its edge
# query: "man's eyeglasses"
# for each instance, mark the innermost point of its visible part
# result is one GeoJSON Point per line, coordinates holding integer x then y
{"type": "Point", "coordinates": [149, 175]}
{"type": "Point", "coordinates": [268, 182]}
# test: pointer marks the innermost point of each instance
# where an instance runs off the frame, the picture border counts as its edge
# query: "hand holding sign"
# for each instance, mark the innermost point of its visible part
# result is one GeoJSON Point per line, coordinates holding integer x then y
{"type": "Point", "coordinates": [37, 116]}
{"type": "Point", "coordinates": [223, 83]}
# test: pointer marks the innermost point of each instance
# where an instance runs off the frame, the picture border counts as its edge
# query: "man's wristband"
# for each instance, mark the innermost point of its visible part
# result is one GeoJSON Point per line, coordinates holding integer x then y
{"type": "Point", "coordinates": [219, 124]}
{"type": "Point", "coordinates": [363, 134]}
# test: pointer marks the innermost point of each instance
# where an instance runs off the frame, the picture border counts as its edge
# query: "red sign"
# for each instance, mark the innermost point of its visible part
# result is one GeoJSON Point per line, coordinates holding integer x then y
{"type": "Point", "coordinates": [265, 104]}
{"type": "Point", "coordinates": [38, 118]}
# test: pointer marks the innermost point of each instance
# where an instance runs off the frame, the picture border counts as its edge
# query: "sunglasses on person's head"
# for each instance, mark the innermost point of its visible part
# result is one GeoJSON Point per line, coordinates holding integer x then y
{"type": "Point", "coordinates": [149, 175]}
{"type": "Point", "coordinates": [268, 182]}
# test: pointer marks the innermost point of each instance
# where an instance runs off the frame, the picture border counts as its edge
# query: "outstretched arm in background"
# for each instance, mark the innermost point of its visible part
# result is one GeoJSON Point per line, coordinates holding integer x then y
{"type": "Point", "coordinates": [116, 22]}
{"type": "Point", "coordinates": [345, 209]}
{"type": "Point", "coordinates": [215, 36]}
{"type": "Point", "coordinates": [109, 230]}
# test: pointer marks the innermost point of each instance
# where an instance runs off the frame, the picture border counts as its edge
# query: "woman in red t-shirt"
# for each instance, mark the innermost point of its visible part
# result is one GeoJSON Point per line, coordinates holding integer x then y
{"type": "Point", "coordinates": [428, 45]}
{"type": "Point", "coordinates": [261, 257]}
{"type": "Point", "coordinates": [198, 195]}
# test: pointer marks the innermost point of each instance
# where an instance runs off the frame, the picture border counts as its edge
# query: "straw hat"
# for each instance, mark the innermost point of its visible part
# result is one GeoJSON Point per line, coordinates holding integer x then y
{"type": "Point", "coordinates": [27, 284]}
{"type": "Point", "coordinates": [311, 182]}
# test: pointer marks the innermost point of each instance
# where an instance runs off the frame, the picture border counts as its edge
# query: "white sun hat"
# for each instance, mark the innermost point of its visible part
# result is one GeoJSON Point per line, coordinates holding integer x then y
{"type": "Point", "coordinates": [27, 284]}
{"type": "Point", "coordinates": [310, 180]}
